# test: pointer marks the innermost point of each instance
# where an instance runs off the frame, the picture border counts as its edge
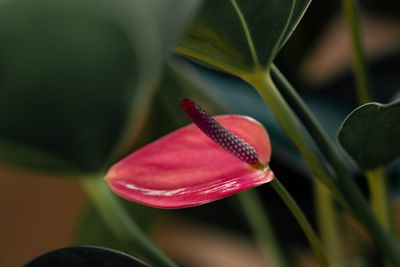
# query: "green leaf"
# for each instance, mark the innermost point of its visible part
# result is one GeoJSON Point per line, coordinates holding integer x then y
{"type": "Point", "coordinates": [171, 18]}
{"type": "Point", "coordinates": [239, 36]}
{"type": "Point", "coordinates": [370, 134]}
{"type": "Point", "coordinates": [166, 114]}
{"type": "Point", "coordinates": [77, 78]}
{"type": "Point", "coordinates": [299, 8]}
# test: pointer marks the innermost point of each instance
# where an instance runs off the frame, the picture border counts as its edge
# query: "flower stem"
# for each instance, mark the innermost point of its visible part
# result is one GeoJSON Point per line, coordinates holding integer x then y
{"type": "Point", "coordinates": [319, 135]}
{"type": "Point", "coordinates": [261, 227]}
{"type": "Point", "coordinates": [351, 12]}
{"type": "Point", "coordinates": [377, 180]}
{"type": "Point", "coordinates": [289, 122]}
{"type": "Point", "coordinates": [326, 210]}
{"type": "Point", "coordinates": [379, 197]}
{"type": "Point", "coordinates": [327, 217]}
{"type": "Point", "coordinates": [120, 223]}
{"type": "Point", "coordinates": [342, 185]}
{"type": "Point", "coordinates": [302, 221]}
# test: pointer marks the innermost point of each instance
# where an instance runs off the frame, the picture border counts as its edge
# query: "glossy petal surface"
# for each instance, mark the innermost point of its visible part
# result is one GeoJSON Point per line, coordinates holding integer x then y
{"type": "Point", "coordinates": [185, 168]}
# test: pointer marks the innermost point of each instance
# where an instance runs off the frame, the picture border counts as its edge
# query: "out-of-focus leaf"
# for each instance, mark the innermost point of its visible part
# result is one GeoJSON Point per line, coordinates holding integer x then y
{"type": "Point", "coordinates": [172, 17]}
{"type": "Point", "coordinates": [77, 77]}
{"type": "Point", "coordinates": [92, 230]}
{"type": "Point", "coordinates": [370, 134]}
{"type": "Point", "coordinates": [71, 73]}
{"type": "Point", "coordinates": [238, 35]}
{"type": "Point", "coordinates": [85, 257]}
{"type": "Point", "coordinates": [166, 114]}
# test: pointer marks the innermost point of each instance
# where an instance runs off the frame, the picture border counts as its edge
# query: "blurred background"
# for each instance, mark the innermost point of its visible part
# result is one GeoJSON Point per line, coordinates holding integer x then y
{"type": "Point", "coordinates": [41, 213]}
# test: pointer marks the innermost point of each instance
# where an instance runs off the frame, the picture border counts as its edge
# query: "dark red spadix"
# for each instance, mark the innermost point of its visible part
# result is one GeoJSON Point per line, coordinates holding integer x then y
{"type": "Point", "coordinates": [218, 133]}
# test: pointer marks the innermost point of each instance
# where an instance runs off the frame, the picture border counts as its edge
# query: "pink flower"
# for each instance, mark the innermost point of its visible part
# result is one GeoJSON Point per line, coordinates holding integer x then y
{"type": "Point", "coordinates": [195, 165]}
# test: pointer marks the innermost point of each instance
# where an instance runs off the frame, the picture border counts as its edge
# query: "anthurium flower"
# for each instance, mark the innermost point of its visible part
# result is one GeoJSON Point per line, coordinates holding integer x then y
{"type": "Point", "coordinates": [210, 159]}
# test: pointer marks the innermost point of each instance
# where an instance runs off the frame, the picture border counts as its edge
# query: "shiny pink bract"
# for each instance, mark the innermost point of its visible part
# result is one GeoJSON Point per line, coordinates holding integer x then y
{"type": "Point", "coordinates": [185, 168]}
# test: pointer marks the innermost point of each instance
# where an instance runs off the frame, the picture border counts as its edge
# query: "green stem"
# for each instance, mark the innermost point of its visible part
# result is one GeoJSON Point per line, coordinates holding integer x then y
{"type": "Point", "coordinates": [302, 221]}
{"type": "Point", "coordinates": [289, 122]}
{"type": "Point", "coordinates": [343, 187]}
{"type": "Point", "coordinates": [355, 200]}
{"type": "Point", "coordinates": [319, 135]}
{"type": "Point", "coordinates": [327, 217]}
{"type": "Point", "coordinates": [361, 210]}
{"type": "Point", "coordinates": [120, 223]}
{"type": "Point", "coordinates": [261, 227]}
{"type": "Point", "coordinates": [377, 181]}
{"type": "Point", "coordinates": [379, 197]}
{"type": "Point", "coordinates": [351, 12]}
{"type": "Point", "coordinates": [308, 119]}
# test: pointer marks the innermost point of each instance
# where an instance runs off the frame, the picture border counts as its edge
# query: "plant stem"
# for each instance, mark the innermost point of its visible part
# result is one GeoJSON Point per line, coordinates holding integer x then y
{"type": "Point", "coordinates": [327, 217]}
{"type": "Point", "coordinates": [377, 180]}
{"type": "Point", "coordinates": [120, 223]}
{"type": "Point", "coordinates": [261, 227]}
{"type": "Point", "coordinates": [351, 12]}
{"type": "Point", "coordinates": [377, 185]}
{"type": "Point", "coordinates": [326, 210]}
{"type": "Point", "coordinates": [319, 135]}
{"type": "Point", "coordinates": [262, 82]}
{"type": "Point", "coordinates": [302, 220]}
{"type": "Point", "coordinates": [379, 197]}
{"type": "Point", "coordinates": [342, 186]}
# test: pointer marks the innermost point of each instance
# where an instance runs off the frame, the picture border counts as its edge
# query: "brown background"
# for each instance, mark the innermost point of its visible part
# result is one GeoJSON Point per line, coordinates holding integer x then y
{"type": "Point", "coordinates": [38, 213]}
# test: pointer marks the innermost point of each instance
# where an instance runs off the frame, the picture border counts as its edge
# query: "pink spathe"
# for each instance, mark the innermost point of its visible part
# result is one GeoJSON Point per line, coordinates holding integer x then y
{"type": "Point", "coordinates": [185, 168]}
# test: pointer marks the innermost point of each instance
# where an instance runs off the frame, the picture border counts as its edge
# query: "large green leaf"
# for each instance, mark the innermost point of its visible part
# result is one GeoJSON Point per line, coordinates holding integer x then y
{"type": "Point", "coordinates": [239, 35]}
{"type": "Point", "coordinates": [371, 134]}
{"type": "Point", "coordinates": [77, 77]}
{"type": "Point", "coordinates": [299, 8]}
{"type": "Point", "coordinates": [170, 18]}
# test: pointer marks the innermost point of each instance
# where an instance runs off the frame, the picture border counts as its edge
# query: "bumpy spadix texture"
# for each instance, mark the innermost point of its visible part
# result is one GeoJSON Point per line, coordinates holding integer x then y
{"type": "Point", "coordinates": [186, 168]}
{"type": "Point", "coordinates": [218, 133]}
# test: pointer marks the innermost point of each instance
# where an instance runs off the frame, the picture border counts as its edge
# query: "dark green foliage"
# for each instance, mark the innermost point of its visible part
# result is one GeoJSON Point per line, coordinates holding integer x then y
{"type": "Point", "coordinates": [371, 134]}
